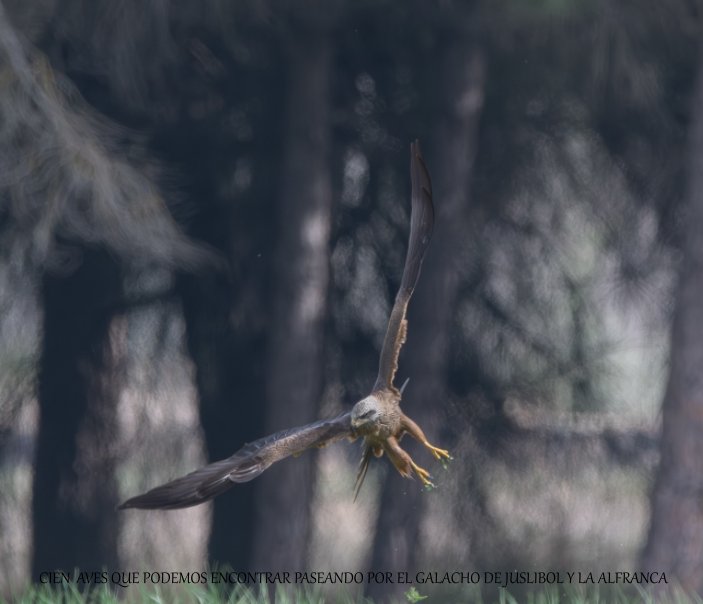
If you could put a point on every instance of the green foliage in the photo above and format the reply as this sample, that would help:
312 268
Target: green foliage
211 594
68 593
413 596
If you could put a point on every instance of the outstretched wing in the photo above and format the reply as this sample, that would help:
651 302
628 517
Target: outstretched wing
247 463
421 222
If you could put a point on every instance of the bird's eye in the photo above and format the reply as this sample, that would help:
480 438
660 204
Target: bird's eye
368 414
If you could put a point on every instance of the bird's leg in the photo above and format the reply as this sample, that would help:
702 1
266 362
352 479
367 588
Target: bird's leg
416 432
404 463
423 474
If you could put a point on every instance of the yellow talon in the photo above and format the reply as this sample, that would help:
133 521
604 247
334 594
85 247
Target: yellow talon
423 474
438 453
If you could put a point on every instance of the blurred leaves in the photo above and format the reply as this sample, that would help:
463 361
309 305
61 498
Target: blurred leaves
63 177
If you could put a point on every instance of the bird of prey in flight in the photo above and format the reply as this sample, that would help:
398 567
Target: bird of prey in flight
377 418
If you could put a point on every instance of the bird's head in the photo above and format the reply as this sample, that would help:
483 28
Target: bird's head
365 415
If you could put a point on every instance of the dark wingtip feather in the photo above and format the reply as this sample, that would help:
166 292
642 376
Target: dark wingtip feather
194 488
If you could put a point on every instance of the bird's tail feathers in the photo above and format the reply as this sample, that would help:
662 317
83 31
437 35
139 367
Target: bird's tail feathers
405 383
363 468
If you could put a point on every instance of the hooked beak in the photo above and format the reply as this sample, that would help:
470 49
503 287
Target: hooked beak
357 422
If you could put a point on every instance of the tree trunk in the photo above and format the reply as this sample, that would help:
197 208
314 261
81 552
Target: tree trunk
675 542
225 311
225 324
229 387
75 491
295 367
450 161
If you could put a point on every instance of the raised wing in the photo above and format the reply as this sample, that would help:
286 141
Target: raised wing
421 223
247 463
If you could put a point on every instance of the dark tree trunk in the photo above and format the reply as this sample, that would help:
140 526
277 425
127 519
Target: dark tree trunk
450 161
81 373
675 543
225 317
229 389
295 367
226 311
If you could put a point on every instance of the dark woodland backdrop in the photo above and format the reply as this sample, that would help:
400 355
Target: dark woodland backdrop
203 218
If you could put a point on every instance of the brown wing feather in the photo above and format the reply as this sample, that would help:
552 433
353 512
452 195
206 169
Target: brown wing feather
421 223
247 463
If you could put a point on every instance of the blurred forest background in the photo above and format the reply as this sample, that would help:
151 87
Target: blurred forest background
204 210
